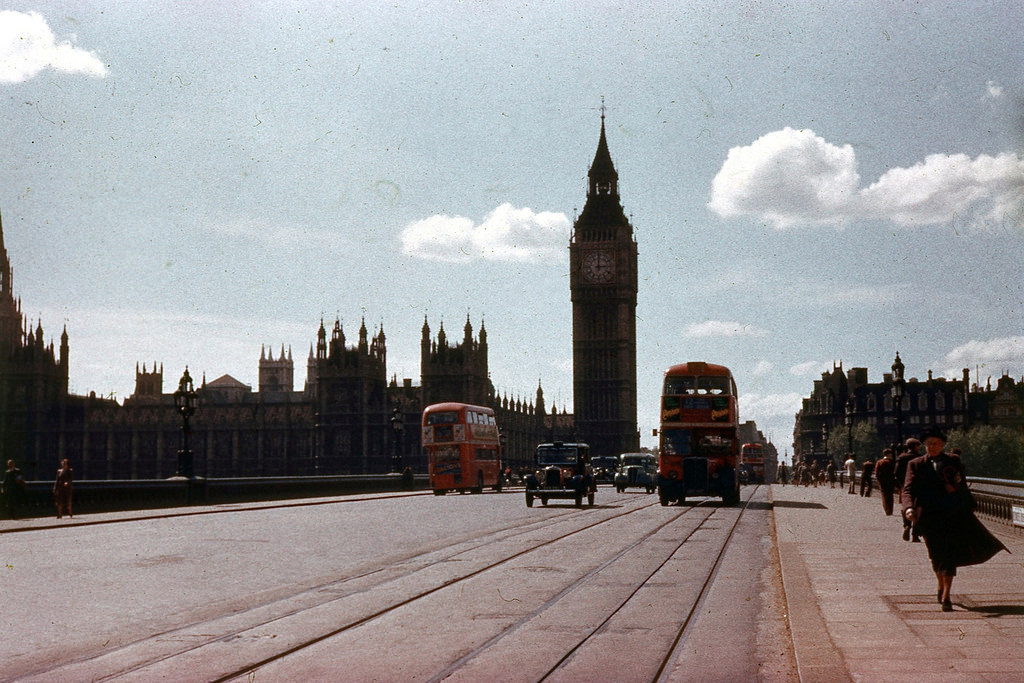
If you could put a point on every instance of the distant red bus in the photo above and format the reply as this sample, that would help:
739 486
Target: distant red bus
699 428
461 442
752 462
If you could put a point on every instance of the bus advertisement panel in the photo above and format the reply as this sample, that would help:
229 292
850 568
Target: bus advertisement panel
699 425
461 442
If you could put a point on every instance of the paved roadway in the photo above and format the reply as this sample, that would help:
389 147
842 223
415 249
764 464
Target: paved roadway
398 587
805 584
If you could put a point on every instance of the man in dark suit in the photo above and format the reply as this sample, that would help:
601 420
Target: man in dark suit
910 451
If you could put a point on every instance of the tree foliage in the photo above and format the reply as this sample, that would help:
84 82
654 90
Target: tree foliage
996 452
865 441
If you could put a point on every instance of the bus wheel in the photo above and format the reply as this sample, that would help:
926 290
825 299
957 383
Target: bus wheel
529 499
439 492
590 499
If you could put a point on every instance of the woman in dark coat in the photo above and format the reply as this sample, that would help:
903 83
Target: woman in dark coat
936 498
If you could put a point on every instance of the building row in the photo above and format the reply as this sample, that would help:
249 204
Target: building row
899 408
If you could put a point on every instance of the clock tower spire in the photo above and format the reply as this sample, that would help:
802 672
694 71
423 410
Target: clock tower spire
603 282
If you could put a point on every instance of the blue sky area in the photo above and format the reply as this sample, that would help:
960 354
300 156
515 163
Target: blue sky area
810 184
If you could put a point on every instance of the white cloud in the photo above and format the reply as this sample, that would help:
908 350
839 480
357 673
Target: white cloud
770 405
811 367
27 46
994 90
792 177
787 177
719 328
762 368
992 357
506 234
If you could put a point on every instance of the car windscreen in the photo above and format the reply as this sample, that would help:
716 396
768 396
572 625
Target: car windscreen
556 456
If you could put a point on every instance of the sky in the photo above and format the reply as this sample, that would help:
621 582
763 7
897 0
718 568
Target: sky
810 183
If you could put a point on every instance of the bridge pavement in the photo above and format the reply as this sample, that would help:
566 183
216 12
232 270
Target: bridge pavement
860 601
862 604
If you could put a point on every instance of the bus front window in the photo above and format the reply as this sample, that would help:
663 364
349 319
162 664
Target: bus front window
675 441
713 385
445 418
675 386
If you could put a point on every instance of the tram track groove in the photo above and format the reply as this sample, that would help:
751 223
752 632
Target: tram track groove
574 586
674 649
200 631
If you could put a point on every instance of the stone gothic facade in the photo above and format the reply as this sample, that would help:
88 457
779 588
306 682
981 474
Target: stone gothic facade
349 418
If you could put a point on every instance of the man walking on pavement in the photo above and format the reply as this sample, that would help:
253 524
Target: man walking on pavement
909 453
851 472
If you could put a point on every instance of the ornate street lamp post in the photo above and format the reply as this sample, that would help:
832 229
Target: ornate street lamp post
185 402
397 426
824 444
849 428
898 387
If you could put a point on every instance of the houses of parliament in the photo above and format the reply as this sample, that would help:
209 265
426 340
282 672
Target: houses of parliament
343 420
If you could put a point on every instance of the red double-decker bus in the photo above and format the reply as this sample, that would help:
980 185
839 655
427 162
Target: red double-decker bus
461 442
752 462
699 427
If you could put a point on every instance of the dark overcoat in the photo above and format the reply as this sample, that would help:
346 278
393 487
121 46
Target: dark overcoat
936 490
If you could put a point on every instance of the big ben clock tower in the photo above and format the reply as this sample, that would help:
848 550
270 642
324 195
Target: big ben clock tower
603 281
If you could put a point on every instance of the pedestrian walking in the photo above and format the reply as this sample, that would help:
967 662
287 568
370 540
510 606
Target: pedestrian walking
936 497
830 474
851 471
885 470
783 473
62 489
13 489
911 450
867 471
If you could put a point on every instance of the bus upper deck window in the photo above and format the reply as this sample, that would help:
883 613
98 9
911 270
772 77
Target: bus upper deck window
713 385
679 385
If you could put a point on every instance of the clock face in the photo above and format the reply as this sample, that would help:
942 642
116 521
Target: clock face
598 266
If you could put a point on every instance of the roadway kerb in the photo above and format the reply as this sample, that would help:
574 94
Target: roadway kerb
862 603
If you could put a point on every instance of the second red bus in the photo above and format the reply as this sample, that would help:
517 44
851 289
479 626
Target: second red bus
461 442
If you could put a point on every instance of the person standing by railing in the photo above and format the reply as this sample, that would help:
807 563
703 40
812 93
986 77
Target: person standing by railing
13 489
62 489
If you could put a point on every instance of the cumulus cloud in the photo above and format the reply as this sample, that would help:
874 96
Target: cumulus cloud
768 405
762 368
1003 354
811 367
993 90
793 177
505 234
719 328
27 46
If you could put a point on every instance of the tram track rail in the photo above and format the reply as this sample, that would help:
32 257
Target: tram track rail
319 595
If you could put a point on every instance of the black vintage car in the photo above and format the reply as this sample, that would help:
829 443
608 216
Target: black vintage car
604 467
563 470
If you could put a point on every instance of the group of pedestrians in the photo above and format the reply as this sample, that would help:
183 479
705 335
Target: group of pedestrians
936 505
15 490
